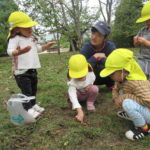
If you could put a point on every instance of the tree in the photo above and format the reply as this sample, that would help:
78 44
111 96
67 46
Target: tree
64 17
6 7
107 9
124 27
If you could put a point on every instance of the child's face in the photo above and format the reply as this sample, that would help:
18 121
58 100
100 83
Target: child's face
119 76
81 79
97 39
27 32
148 23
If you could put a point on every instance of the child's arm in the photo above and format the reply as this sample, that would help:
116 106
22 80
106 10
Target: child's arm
75 103
46 46
115 91
143 41
14 49
19 51
117 101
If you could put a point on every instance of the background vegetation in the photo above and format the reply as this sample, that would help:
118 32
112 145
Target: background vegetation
6 7
70 21
124 27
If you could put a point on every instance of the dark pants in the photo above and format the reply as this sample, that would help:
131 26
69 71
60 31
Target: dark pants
99 80
27 82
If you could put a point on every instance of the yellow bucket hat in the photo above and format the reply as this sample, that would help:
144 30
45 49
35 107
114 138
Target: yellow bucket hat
78 66
20 19
145 13
123 59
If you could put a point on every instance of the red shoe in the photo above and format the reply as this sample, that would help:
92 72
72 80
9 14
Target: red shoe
110 88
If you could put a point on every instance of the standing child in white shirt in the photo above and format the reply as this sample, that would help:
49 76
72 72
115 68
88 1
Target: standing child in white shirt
23 48
81 85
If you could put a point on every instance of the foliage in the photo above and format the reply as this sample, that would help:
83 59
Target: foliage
68 18
64 42
6 7
124 27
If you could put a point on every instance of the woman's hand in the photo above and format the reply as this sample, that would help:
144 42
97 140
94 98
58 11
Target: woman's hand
99 56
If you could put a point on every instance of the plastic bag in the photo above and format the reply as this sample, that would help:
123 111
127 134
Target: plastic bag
18 114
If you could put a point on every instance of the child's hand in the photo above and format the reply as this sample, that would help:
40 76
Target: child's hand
141 40
117 101
24 50
46 46
87 88
135 38
80 115
49 44
20 51
136 43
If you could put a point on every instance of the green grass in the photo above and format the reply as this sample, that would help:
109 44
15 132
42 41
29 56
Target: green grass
57 129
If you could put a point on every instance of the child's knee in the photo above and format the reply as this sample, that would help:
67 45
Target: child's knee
93 89
128 105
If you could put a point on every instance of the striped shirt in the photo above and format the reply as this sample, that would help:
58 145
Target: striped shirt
136 90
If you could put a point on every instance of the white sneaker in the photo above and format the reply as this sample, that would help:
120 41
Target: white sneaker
136 134
37 108
33 113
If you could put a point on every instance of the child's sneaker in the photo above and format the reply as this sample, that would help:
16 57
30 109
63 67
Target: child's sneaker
37 108
136 134
123 115
90 106
33 113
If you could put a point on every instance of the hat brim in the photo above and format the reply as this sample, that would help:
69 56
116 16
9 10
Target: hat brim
28 24
99 30
24 25
78 74
107 72
142 19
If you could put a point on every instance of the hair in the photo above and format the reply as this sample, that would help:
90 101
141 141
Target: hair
93 30
90 69
14 32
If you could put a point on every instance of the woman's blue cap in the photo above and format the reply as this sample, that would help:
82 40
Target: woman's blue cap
102 27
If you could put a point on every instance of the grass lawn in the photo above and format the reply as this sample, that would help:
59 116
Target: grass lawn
57 129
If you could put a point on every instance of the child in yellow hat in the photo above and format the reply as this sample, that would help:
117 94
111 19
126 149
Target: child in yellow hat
142 40
81 86
23 48
132 91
